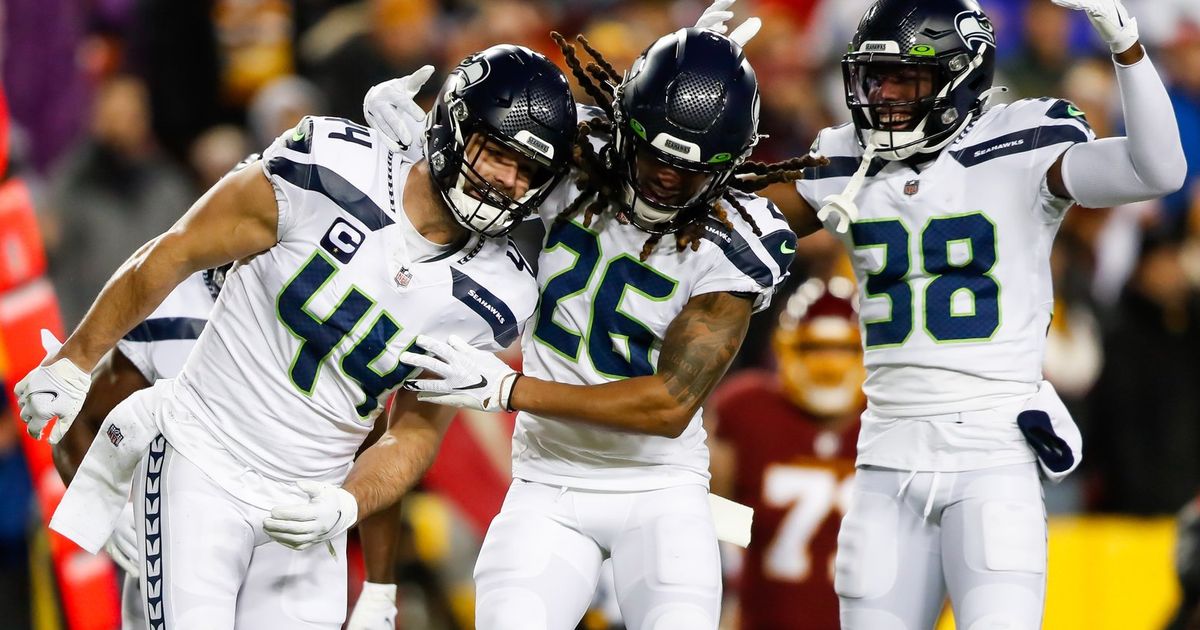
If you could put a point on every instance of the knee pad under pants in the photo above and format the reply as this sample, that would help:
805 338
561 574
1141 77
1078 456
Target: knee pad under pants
983 543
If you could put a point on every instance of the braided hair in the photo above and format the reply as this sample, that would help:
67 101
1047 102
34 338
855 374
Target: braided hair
600 180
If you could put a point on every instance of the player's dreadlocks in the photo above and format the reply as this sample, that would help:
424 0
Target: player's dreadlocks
599 177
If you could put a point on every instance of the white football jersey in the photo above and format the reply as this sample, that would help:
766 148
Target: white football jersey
302 348
602 317
159 345
953 261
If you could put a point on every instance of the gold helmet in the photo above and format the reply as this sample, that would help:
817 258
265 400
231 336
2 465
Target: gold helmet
818 349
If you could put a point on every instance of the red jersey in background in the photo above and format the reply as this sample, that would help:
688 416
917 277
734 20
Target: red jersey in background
797 478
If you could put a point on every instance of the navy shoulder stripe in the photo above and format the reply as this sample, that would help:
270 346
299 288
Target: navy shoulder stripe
167 329
324 180
781 245
774 210
1018 142
487 305
738 251
749 199
842 166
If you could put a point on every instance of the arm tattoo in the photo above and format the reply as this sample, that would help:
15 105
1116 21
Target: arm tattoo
701 343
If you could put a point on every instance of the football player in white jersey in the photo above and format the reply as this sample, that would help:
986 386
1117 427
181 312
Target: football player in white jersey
344 254
653 263
153 350
949 212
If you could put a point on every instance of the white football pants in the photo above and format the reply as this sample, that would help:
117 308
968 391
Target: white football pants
206 562
541 558
908 540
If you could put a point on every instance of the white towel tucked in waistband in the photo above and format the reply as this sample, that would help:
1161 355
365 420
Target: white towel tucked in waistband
89 510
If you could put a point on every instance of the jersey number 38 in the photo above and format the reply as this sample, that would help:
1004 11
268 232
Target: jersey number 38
957 254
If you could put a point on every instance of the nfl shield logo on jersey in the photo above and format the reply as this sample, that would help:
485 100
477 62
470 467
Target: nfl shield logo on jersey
114 435
403 277
910 187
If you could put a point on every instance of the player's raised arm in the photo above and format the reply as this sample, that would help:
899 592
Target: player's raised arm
1148 162
236 218
697 350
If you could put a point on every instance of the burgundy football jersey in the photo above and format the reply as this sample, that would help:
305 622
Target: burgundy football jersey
797 478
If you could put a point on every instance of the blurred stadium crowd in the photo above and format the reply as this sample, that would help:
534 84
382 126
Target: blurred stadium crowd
124 111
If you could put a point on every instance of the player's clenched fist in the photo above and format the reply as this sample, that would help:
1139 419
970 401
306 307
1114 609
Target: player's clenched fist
55 390
329 512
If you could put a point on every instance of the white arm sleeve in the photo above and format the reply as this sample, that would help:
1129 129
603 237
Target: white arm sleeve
1147 163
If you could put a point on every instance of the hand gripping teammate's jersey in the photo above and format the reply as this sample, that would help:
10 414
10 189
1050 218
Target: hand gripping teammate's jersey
602 317
302 346
954 258
159 345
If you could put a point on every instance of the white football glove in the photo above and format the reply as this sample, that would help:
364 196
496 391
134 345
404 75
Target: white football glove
329 512
390 109
470 378
52 390
123 545
1111 20
718 13
376 608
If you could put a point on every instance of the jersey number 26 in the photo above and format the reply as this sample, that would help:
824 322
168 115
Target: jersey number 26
608 323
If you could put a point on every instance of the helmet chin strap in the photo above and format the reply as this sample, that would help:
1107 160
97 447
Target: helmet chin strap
989 93
842 204
650 214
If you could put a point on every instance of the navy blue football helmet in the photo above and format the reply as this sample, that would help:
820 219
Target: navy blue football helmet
689 102
917 71
516 98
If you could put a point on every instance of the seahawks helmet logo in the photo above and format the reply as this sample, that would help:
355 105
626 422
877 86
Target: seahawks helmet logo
471 71
975 30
